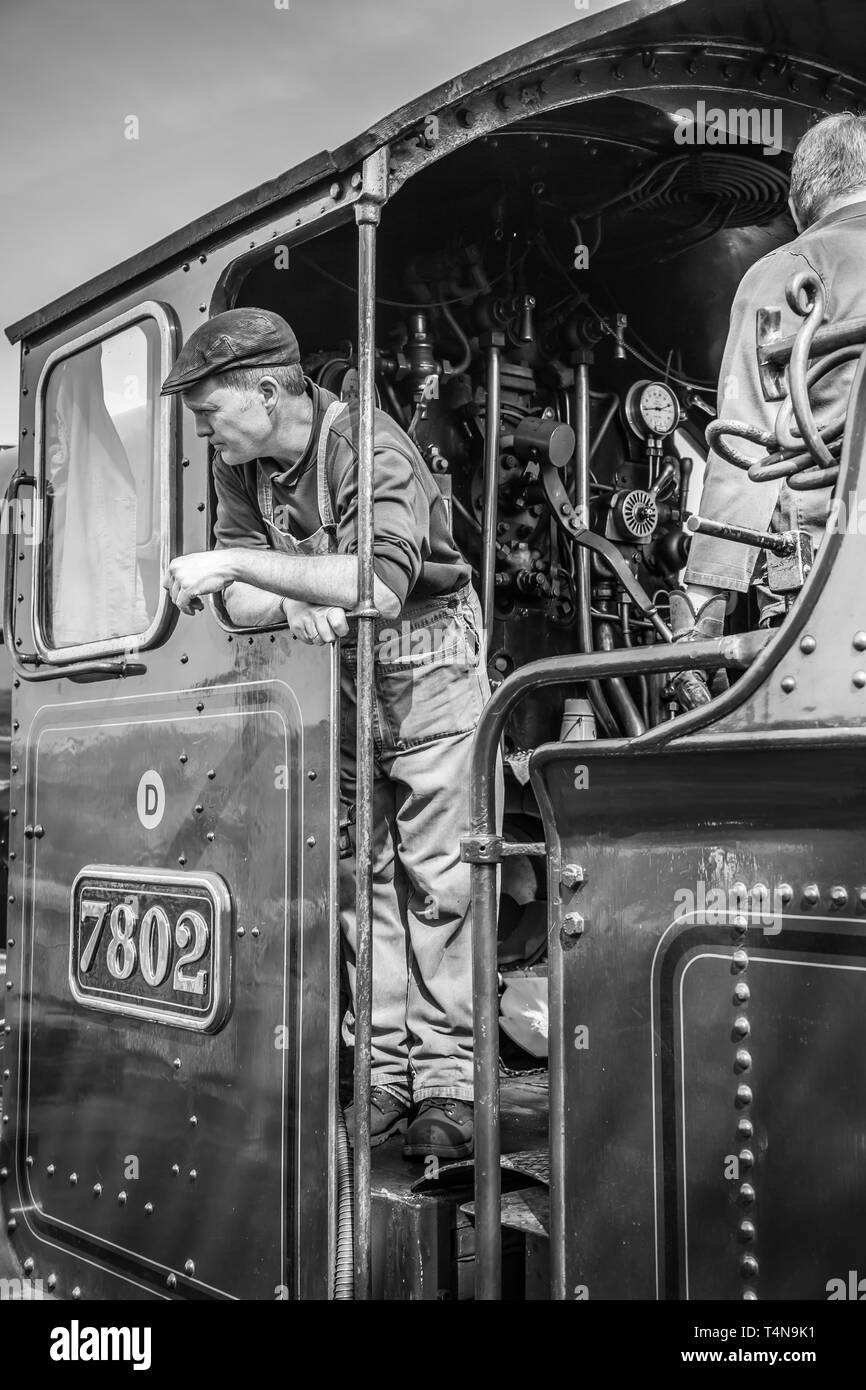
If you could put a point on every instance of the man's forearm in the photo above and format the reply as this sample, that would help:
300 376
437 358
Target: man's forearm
248 606
331 580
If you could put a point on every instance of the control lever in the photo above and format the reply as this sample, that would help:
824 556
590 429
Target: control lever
789 553
778 542
576 529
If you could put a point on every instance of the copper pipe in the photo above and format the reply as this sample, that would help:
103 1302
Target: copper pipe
491 485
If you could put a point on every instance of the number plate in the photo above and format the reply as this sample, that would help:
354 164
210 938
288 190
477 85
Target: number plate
152 945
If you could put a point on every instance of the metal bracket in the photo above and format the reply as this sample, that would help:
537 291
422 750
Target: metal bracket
489 849
788 573
374 185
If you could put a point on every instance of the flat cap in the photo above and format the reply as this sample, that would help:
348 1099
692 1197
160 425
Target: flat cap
237 338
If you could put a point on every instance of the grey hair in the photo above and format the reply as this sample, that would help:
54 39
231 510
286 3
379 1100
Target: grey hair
829 161
248 378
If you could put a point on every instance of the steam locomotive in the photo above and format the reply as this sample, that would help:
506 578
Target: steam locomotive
531 269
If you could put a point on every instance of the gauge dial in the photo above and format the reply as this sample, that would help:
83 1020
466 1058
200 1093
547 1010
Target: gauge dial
652 409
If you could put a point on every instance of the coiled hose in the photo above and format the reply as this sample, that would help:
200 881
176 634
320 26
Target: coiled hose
344 1265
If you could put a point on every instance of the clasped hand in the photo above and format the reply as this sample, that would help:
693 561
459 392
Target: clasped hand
315 623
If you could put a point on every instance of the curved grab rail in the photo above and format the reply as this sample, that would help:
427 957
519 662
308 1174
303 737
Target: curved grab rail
482 847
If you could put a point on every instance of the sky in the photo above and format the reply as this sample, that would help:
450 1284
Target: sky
227 94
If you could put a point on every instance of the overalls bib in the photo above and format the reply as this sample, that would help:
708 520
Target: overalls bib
323 541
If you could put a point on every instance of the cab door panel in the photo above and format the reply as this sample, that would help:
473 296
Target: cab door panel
154 1155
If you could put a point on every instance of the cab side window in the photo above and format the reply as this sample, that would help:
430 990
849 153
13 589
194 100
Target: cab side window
104 466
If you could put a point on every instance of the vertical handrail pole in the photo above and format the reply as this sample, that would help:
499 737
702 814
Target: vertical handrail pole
488 1219
367 216
483 893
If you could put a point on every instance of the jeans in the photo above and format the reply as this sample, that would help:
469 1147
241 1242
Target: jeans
430 686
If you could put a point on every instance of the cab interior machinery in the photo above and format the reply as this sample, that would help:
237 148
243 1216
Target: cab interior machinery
595 259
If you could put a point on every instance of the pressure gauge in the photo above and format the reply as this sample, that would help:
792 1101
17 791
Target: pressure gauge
651 408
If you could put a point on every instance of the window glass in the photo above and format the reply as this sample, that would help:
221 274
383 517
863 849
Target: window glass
103 524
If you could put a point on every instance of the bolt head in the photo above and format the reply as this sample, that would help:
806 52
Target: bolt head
572 924
859 679
811 895
808 644
571 876
839 896
744 1096
789 683
859 641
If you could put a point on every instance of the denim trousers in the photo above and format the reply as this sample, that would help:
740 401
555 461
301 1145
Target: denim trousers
430 686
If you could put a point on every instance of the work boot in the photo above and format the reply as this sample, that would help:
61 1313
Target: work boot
442 1126
388 1115
705 624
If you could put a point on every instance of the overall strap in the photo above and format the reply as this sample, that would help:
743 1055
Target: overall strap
326 509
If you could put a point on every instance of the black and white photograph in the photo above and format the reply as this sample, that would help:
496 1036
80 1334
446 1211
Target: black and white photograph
433 669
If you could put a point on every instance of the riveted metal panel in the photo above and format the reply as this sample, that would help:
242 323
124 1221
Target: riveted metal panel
707 1073
147 1156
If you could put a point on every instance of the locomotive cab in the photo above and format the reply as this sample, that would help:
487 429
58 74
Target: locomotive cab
680 900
